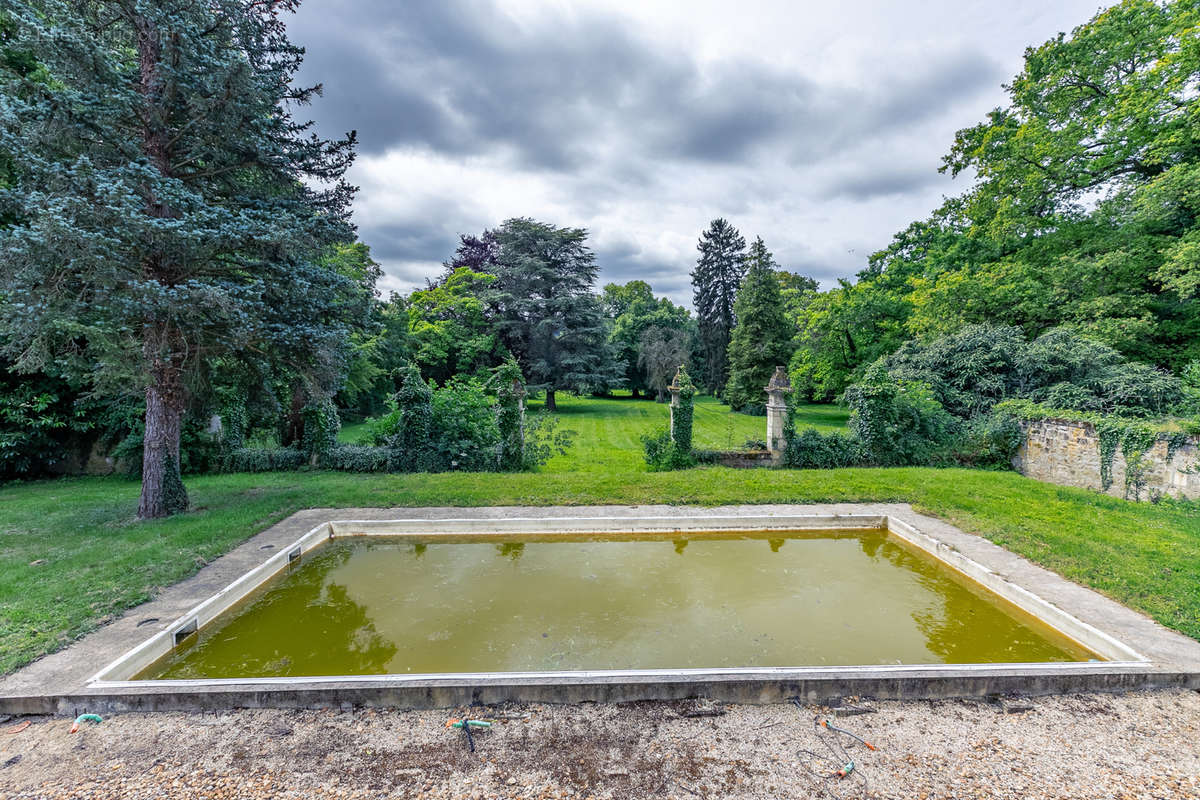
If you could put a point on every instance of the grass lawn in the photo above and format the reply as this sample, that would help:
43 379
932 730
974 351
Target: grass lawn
608 430
71 554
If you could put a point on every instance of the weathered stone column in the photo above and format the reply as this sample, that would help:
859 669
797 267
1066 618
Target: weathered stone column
776 391
674 389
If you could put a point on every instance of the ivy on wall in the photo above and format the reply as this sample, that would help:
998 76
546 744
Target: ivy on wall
1133 437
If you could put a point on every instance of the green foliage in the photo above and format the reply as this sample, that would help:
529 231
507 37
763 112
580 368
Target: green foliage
647 333
464 434
978 366
1190 385
281 459
451 334
234 423
763 337
715 282
989 441
543 440
321 426
510 417
663 453
811 449
897 422
541 304
358 458
42 421
409 429
167 210
683 414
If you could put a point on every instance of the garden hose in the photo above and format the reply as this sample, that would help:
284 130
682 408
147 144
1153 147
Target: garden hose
93 718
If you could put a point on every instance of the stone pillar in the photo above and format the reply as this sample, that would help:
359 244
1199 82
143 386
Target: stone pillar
776 391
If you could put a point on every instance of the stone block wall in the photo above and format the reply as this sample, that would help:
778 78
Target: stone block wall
1068 453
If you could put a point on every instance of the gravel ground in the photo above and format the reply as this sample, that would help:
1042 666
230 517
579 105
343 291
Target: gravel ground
1142 745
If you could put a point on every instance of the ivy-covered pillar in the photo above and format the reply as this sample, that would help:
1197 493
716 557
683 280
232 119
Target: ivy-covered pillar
777 411
682 391
511 421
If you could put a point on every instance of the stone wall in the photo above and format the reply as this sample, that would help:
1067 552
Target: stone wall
1068 453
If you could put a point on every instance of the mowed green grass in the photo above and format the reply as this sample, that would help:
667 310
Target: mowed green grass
608 431
72 555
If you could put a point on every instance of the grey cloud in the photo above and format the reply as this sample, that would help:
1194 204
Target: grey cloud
885 180
459 77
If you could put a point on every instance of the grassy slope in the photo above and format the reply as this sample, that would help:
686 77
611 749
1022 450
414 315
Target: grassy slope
99 561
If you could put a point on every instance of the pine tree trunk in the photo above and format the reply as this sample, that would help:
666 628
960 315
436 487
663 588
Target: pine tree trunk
163 493
550 404
634 394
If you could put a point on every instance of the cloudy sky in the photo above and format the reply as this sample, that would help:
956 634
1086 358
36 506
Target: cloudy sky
818 126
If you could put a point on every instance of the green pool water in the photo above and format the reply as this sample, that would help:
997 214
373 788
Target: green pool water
375 605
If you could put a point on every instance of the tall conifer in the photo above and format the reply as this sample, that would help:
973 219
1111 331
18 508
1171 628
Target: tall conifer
715 282
168 209
763 336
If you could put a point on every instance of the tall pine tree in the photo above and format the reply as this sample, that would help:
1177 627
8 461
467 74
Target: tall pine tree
169 210
715 283
762 339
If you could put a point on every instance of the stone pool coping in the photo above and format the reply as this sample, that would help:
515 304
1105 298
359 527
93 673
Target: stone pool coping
79 677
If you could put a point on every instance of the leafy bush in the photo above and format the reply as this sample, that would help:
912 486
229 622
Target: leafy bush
989 442
1190 380
42 419
464 434
811 449
321 426
358 458
973 369
246 459
897 422
199 451
663 453
461 424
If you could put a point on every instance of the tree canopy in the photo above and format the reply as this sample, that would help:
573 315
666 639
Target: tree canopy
167 208
763 337
715 282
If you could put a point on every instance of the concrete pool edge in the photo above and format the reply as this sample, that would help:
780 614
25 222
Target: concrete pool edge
1167 659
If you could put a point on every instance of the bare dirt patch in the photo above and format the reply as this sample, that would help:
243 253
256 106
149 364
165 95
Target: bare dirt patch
1140 745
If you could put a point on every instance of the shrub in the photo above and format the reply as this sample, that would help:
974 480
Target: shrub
247 459
664 453
543 440
989 442
358 458
1190 380
321 426
510 391
464 434
898 423
973 369
811 449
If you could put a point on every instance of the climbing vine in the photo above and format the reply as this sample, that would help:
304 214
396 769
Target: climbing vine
1133 437
321 426
683 413
510 419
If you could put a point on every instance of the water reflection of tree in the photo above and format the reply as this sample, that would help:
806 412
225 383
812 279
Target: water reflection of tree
776 544
680 545
511 550
326 632
962 628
